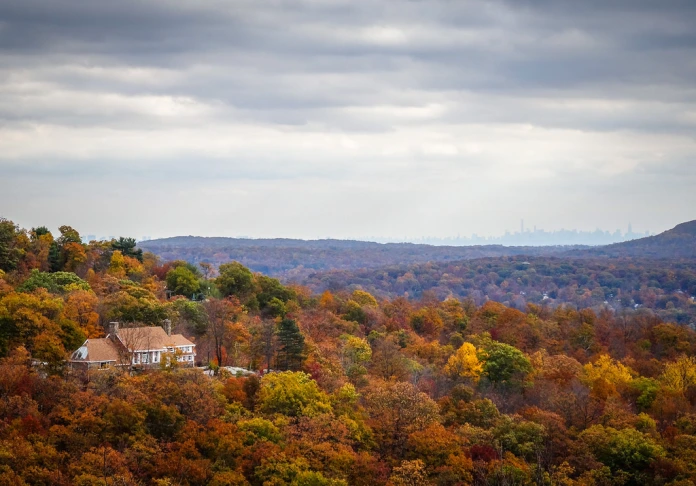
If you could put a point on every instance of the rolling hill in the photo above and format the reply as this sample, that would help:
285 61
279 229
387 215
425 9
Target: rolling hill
298 258
679 242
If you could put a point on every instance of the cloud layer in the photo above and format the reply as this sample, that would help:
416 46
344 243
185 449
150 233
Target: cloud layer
342 118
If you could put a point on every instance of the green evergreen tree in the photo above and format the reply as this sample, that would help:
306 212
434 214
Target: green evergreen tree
10 254
40 231
127 248
55 261
292 344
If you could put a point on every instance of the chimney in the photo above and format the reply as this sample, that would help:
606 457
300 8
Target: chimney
113 329
168 327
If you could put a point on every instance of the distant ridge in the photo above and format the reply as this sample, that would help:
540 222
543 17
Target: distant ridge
688 228
297 258
679 242
228 242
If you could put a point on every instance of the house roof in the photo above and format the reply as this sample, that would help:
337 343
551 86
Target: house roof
100 350
145 338
179 340
132 338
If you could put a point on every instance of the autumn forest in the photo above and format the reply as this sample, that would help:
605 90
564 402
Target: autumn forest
559 368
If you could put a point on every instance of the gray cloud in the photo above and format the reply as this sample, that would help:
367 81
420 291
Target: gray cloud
335 104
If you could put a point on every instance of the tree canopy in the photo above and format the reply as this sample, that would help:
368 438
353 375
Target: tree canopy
345 386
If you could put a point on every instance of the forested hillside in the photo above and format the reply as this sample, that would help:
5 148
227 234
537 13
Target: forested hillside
298 258
679 242
364 390
666 287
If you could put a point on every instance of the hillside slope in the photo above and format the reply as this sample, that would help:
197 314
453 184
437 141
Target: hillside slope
679 242
298 258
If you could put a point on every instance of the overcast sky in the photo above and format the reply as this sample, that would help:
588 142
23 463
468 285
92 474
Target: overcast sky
347 118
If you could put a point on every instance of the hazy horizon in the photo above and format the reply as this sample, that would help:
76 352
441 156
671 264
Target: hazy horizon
524 236
308 119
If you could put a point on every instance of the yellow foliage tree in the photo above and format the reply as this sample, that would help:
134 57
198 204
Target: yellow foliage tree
609 369
605 374
680 374
25 316
117 266
293 394
134 269
464 363
364 298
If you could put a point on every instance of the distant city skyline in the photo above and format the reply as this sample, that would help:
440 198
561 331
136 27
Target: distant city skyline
528 237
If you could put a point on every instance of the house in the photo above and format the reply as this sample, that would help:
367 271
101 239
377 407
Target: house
134 347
